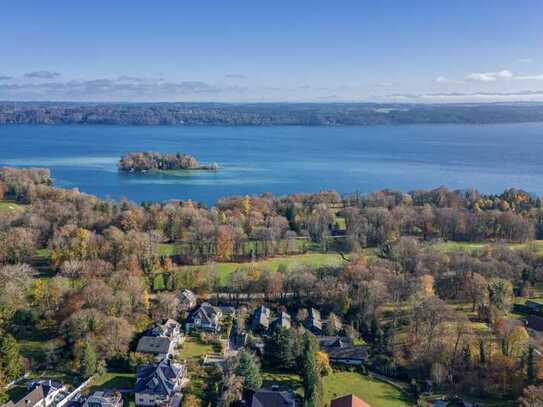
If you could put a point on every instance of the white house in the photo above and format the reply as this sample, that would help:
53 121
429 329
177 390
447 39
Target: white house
160 385
207 317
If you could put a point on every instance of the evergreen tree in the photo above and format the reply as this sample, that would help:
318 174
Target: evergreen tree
530 371
249 370
312 381
88 362
280 349
10 358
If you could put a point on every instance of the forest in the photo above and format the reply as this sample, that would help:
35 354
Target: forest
266 114
93 271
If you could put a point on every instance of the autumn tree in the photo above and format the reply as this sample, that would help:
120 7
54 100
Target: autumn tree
225 242
532 396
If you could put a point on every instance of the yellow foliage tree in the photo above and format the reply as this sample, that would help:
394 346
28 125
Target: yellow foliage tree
39 291
427 285
246 205
146 300
323 362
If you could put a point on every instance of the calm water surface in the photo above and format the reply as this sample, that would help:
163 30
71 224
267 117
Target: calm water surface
284 159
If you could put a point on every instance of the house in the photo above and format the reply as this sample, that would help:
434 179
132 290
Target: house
534 323
348 401
283 321
535 305
160 384
42 393
261 319
187 300
269 398
169 328
313 321
105 398
161 340
333 324
238 340
206 317
159 346
341 350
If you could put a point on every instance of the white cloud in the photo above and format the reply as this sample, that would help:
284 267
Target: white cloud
529 77
490 76
441 79
525 60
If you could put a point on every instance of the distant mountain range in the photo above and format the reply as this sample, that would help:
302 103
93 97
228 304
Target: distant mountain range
265 114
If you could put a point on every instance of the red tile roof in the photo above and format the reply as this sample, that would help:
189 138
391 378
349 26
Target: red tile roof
349 401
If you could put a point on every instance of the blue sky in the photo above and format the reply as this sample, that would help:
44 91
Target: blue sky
235 50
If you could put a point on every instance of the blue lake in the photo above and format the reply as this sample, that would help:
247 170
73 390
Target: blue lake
284 160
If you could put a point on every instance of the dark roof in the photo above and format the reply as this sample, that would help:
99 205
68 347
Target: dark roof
158 379
261 318
334 341
47 384
187 296
534 322
153 344
341 347
348 401
207 312
272 398
227 310
104 398
347 352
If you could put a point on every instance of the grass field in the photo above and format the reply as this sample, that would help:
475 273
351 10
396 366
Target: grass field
193 349
10 207
469 246
111 381
374 392
310 259
285 381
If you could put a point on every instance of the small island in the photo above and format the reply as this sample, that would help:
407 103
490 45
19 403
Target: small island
143 162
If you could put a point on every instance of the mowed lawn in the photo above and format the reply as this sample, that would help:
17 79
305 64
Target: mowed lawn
112 381
285 381
470 246
192 348
309 259
374 392
10 207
